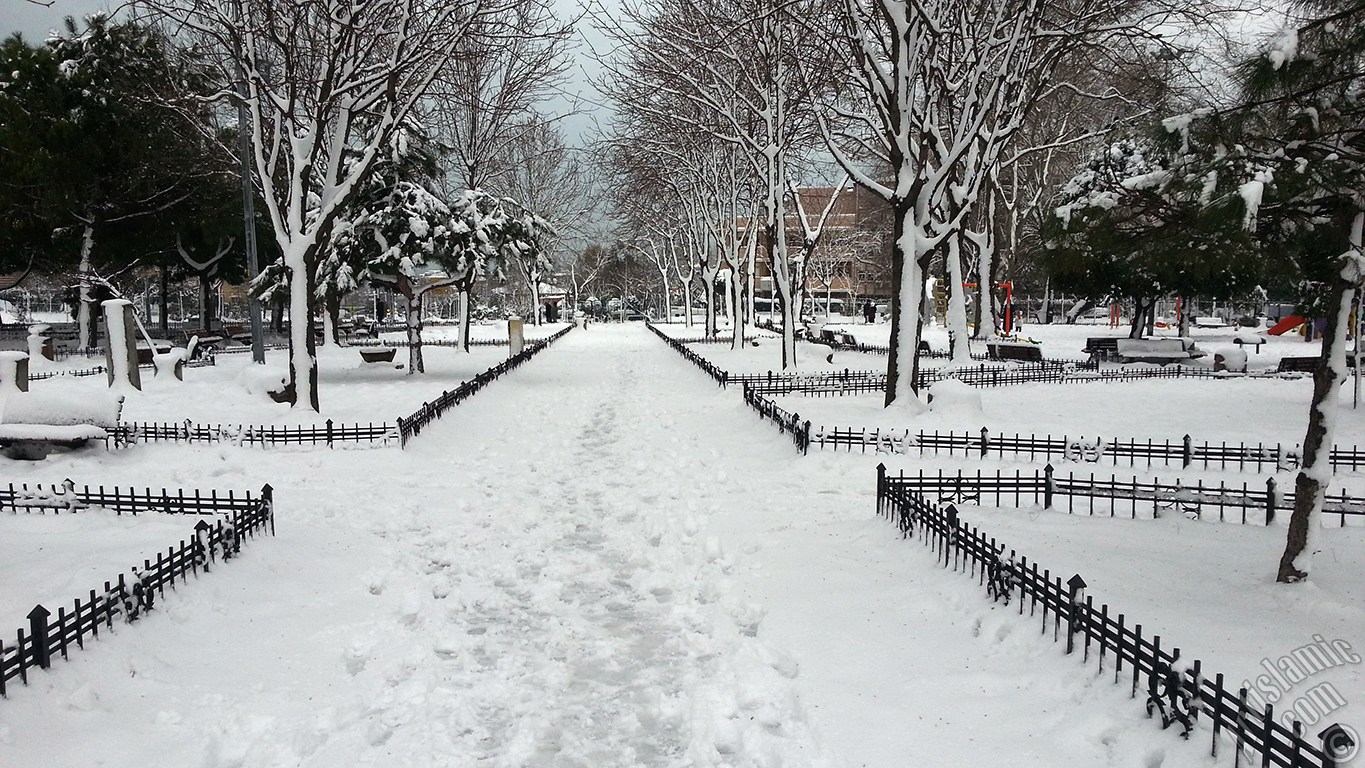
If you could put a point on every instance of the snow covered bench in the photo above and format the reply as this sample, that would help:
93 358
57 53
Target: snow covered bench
1102 348
1158 351
32 424
378 355
1023 351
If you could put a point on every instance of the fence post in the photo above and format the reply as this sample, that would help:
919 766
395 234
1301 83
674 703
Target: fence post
1188 456
1047 486
984 433
268 500
1338 743
950 540
402 435
881 485
1269 500
329 433
1077 586
37 635
805 439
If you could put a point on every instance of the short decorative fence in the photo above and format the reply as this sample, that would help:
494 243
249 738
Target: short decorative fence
328 434
98 370
1088 494
414 424
1179 691
1184 451
237 517
405 344
707 367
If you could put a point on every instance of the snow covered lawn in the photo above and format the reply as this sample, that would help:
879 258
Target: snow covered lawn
233 391
1208 589
54 558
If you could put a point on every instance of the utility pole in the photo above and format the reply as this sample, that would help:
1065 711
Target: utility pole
249 223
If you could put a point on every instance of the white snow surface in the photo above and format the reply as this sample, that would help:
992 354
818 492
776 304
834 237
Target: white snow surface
600 560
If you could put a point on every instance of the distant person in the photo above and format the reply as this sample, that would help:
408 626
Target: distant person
870 312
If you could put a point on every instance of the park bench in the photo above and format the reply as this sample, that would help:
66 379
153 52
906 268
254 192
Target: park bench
209 340
1307 364
1022 351
1158 351
838 337
1102 348
377 354
33 424
1210 322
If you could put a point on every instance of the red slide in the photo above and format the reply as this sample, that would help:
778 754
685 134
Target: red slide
1287 324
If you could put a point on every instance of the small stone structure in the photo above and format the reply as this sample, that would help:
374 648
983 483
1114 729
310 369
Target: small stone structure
13 372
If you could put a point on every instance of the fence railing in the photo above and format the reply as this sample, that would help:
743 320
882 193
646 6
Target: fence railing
67 497
328 433
1181 693
48 635
1184 451
1113 496
707 367
414 424
789 423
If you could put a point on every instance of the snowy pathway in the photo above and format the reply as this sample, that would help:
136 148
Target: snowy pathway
601 561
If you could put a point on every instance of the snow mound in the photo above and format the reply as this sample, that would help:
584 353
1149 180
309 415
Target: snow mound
953 396
261 380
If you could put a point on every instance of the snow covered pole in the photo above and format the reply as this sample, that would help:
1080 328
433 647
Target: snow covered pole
120 350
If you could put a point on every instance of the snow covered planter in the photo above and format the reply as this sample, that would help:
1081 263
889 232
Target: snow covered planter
32 424
1178 690
235 518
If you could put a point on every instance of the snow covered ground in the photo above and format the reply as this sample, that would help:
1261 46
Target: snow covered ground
604 560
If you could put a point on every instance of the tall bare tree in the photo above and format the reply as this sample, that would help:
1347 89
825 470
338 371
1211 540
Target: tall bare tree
326 85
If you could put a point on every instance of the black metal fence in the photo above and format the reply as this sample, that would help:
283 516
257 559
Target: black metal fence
1184 451
67 497
1112 496
1181 693
413 425
707 367
789 423
48 635
328 433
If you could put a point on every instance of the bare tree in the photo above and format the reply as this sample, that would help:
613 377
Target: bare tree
327 84
547 177
932 95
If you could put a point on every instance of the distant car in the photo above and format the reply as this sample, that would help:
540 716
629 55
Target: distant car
635 316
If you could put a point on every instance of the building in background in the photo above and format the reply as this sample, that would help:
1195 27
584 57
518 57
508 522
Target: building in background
851 262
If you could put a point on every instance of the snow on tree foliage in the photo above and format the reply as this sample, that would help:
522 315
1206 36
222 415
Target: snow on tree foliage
1142 219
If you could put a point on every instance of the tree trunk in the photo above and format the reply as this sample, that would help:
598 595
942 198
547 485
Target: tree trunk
464 319
687 303
1315 474
85 314
957 304
414 325
1140 309
165 326
205 303
908 270
708 277
303 361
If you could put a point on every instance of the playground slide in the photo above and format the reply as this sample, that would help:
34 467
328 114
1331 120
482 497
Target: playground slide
1287 324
